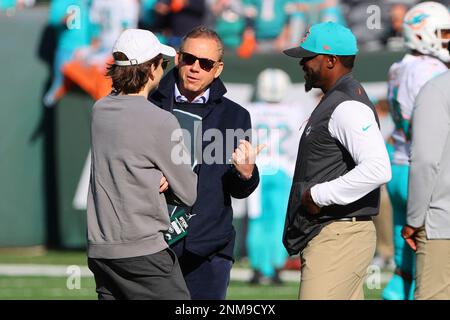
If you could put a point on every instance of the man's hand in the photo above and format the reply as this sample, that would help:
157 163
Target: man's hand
308 203
409 234
163 185
244 158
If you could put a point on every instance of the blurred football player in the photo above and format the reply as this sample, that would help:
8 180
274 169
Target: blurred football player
426 27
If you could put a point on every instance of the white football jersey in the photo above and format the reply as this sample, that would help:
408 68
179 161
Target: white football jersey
406 78
278 126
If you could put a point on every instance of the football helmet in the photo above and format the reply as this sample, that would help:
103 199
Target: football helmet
272 85
423 26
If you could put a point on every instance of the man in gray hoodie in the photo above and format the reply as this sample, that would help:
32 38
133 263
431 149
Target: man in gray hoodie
136 146
428 216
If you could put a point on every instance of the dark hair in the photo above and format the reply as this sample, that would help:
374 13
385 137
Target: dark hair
130 79
204 32
347 61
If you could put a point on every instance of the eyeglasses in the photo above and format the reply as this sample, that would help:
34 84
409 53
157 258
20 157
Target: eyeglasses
189 59
165 63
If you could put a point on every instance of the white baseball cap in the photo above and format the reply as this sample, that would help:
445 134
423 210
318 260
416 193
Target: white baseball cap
140 46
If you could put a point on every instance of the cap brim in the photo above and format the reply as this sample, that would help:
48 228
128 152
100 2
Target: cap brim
299 52
168 51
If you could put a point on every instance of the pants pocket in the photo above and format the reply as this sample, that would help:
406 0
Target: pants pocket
161 262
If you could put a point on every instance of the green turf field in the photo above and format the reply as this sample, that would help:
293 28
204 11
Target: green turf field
47 257
55 288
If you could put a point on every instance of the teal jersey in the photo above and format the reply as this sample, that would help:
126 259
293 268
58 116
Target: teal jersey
147 13
230 32
148 4
270 19
76 31
316 13
7 4
230 25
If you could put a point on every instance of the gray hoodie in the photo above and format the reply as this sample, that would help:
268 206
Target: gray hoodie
429 175
133 144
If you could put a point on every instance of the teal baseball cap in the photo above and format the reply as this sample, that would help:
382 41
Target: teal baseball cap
325 38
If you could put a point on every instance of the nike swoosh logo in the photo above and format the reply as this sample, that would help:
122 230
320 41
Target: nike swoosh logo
365 128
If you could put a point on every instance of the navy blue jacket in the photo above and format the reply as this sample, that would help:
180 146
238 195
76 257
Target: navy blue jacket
211 230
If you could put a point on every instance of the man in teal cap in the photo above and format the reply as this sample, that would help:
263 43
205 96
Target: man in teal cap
341 164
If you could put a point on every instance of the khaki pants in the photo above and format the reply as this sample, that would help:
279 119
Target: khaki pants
432 268
383 225
335 262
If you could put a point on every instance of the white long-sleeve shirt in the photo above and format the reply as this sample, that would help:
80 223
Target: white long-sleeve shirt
353 124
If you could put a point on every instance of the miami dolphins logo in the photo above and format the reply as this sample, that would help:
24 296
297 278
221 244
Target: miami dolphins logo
418 20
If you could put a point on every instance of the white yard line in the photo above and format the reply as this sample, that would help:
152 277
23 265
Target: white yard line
47 270
238 274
